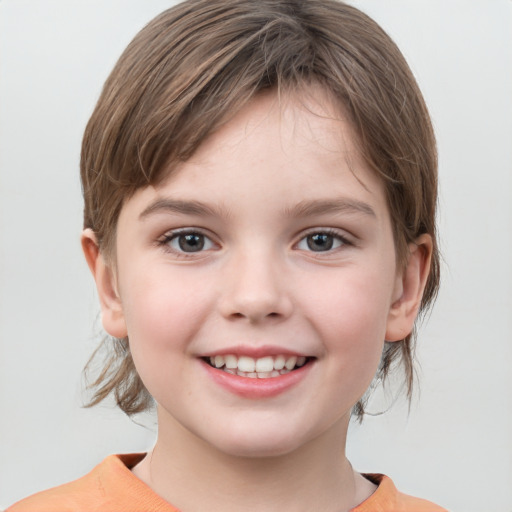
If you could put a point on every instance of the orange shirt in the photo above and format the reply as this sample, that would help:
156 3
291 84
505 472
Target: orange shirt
112 487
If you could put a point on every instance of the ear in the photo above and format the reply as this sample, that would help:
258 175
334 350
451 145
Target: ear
112 315
409 287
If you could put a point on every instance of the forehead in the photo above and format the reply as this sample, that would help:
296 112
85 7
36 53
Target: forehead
280 150
310 114
309 123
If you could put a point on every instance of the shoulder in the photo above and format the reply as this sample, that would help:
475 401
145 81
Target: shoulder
110 486
387 498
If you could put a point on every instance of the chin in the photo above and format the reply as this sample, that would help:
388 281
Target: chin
257 450
257 442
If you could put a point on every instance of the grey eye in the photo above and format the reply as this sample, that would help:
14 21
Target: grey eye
320 242
190 242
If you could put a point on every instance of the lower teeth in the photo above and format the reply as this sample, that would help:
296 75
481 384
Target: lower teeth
256 375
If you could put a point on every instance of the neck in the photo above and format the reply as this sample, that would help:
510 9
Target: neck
193 475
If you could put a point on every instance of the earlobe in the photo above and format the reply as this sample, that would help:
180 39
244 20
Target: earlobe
409 289
111 307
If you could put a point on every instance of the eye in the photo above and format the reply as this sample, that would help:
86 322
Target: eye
188 242
321 241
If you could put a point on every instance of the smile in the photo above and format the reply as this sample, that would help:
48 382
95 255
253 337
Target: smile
261 375
261 368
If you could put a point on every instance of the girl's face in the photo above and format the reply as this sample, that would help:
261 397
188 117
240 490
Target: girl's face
271 246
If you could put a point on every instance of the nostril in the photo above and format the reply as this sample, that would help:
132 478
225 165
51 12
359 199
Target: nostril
255 317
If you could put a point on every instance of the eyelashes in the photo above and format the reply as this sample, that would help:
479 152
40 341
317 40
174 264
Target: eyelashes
193 242
187 241
322 240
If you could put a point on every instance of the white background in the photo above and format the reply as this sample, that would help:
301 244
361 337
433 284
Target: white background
455 447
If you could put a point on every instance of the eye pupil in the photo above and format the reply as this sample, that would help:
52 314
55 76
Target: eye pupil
191 242
320 242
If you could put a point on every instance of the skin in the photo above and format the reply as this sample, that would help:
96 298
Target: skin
260 282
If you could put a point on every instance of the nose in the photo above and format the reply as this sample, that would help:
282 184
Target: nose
255 288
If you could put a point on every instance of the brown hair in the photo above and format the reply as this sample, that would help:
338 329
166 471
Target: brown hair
200 62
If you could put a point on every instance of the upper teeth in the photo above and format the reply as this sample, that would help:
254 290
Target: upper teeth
261 365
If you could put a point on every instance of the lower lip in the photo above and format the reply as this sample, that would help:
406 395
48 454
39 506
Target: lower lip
247 387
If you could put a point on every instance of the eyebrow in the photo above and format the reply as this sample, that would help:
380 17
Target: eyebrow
302 209
320 207
178 206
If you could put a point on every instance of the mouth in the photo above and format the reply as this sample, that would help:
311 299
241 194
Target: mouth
266 367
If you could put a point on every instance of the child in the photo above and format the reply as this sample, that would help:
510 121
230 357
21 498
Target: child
260 192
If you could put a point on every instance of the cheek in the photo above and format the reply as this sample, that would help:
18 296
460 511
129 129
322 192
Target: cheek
351 317
162 312
163 317
358 300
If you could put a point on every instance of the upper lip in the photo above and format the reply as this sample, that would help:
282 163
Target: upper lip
254 352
